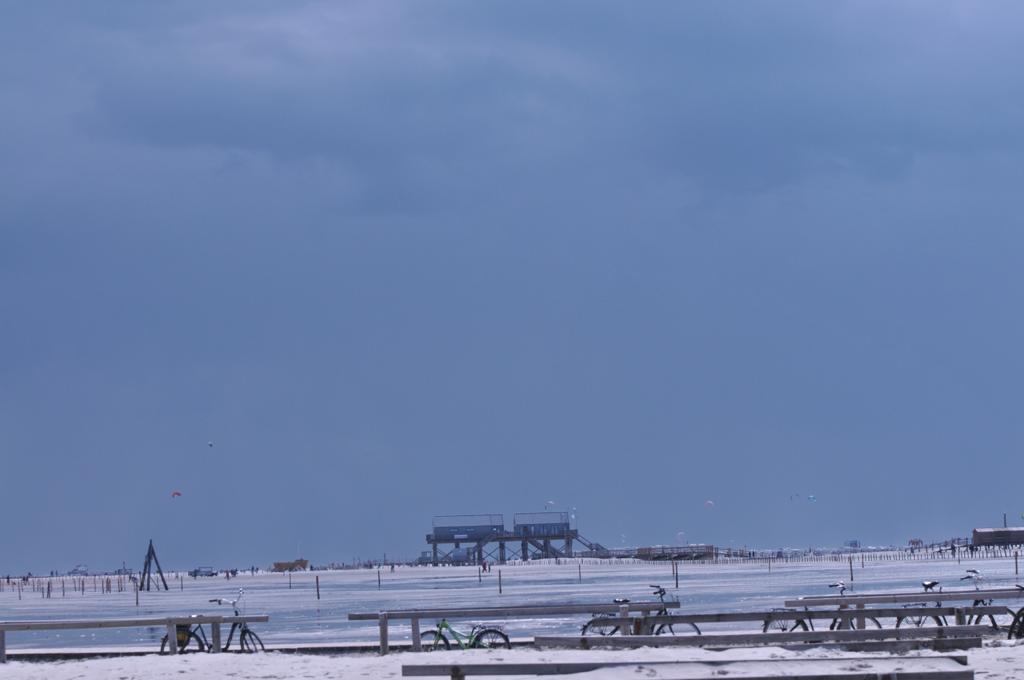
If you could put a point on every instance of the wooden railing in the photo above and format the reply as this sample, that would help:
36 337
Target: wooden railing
906 598
171 624
755 639
414 615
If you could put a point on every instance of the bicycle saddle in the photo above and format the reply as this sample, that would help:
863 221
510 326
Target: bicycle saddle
621 600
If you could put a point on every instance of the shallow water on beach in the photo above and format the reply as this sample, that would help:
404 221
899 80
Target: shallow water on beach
296 616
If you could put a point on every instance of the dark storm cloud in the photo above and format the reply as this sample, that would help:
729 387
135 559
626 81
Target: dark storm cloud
748 98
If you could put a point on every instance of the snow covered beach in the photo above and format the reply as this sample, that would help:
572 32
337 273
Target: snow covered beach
1000 660
297 617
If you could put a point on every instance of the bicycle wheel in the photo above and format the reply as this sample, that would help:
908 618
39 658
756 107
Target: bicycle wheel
599 626
783 627
192 644
1016 628
432 640
980 619
851 623
667 629
251 642
919 621
841 624
491 638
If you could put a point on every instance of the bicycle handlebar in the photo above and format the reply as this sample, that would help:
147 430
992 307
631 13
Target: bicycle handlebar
234 602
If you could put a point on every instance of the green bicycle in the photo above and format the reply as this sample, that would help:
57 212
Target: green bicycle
479 637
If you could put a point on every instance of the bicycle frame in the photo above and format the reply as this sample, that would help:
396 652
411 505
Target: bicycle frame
185 632
200 632
463 640
633 624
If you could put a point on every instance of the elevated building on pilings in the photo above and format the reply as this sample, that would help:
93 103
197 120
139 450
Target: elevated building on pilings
474 539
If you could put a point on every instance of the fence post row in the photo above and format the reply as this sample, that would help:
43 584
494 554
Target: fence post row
170 624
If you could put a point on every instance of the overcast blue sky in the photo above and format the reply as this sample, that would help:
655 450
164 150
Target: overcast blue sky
404 259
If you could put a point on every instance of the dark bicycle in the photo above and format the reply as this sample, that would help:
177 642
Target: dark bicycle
606 623
781 622
191 637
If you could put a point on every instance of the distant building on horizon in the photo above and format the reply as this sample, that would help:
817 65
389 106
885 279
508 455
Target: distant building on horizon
998 536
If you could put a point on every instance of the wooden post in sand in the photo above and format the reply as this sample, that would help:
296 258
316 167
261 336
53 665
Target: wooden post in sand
172 637
383 621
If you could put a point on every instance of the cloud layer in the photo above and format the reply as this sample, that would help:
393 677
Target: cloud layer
740 250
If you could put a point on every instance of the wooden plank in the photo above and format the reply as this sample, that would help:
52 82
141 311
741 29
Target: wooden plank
126 623
819 614
756 639
722 667
816 614
898 598
509 612
889 646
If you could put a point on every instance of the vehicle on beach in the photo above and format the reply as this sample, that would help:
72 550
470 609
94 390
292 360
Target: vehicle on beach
202 571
